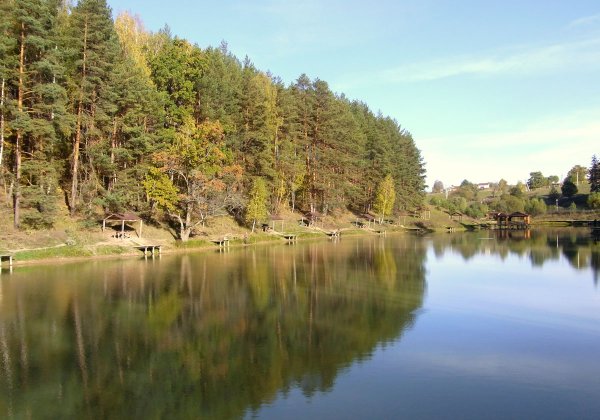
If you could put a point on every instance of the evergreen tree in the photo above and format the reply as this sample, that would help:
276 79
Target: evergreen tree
94 49
569 189
594 175
260 124
8 60
32 69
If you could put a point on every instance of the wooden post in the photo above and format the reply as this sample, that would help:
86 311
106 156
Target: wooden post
103 225
122 229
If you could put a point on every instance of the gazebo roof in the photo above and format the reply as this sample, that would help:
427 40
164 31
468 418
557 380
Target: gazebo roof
518 214
123 217
276 217
368 216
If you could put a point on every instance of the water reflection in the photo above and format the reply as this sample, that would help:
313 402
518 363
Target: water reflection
200 335
575 246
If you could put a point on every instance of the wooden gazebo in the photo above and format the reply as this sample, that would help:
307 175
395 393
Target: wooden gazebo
276 218
123 218
516 220
456 216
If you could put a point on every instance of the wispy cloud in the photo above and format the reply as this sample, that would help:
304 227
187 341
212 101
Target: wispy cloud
521 61
584 21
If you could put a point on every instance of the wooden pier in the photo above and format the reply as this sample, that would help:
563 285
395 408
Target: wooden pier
6 257
333 234
290 237
221 242
149 248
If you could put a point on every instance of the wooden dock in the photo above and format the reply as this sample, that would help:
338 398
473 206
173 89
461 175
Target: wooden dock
290 237
333 234
221 242
6 257
149 248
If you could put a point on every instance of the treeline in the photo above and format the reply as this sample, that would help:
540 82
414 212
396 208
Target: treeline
109 117
502 197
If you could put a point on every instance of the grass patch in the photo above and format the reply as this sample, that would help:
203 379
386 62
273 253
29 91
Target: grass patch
111 250
58 252
194 243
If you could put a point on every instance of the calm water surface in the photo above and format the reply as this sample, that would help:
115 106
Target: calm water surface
448 326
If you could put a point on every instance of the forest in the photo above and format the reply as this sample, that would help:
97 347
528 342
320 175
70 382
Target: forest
101 116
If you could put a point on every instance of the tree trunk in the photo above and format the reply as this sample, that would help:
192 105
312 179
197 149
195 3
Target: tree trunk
185 226
19 139
113 145
77 142
2 120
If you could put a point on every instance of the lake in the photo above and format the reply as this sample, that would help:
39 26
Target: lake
470 326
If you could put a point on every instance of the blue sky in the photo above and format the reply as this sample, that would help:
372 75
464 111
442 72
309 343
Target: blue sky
488 89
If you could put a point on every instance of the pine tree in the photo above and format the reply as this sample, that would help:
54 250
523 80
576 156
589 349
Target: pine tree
7 66
94 48
594 175
259 124
39 99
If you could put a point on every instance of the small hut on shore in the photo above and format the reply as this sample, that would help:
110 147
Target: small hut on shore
456 216
122 219
276 218
515 220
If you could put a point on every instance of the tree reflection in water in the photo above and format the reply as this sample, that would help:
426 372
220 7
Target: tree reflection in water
200 335
219 335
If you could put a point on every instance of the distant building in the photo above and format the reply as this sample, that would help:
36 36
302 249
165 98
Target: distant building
484 186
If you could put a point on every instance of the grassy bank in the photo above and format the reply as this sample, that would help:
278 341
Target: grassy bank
76 240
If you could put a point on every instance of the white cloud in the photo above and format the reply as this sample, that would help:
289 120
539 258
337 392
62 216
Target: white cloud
510 61
584 21
515 61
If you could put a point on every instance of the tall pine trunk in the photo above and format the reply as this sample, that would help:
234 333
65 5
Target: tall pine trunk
19 139
2 120
78 128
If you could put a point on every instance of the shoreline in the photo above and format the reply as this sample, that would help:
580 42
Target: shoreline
174 249
104 251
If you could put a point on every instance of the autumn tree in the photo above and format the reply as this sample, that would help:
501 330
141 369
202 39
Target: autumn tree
201 169
385 198
256 210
